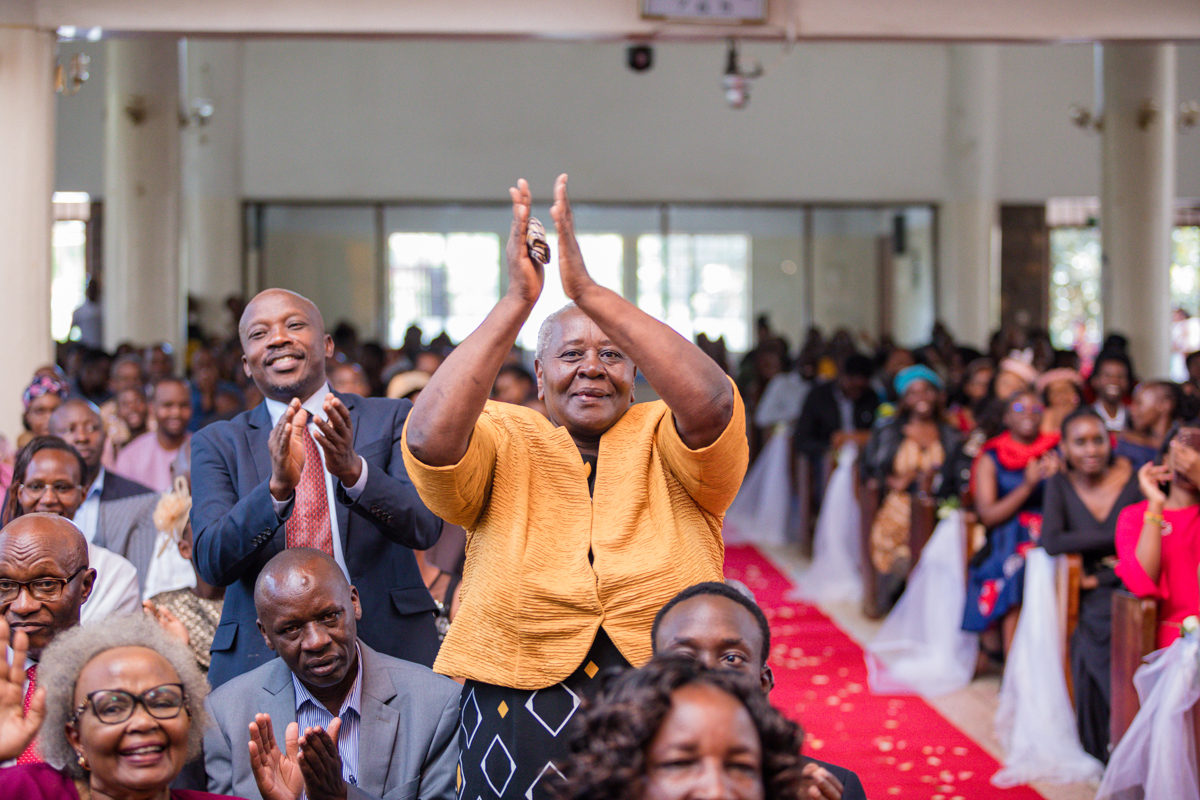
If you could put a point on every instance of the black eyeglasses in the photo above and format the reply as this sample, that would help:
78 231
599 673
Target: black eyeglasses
61 489
44 590
114 706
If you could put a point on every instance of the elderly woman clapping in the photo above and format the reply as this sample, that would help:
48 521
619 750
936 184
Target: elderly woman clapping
122 710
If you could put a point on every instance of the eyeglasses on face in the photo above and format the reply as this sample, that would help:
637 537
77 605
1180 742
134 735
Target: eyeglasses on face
114 706
1028 408
44 590
36 489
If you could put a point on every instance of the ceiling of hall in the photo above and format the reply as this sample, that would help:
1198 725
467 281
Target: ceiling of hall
1008 20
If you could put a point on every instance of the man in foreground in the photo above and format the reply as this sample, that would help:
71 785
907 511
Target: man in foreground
330 717
723 629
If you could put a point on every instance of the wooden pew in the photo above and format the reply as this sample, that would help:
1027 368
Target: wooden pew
1068 576
1134 636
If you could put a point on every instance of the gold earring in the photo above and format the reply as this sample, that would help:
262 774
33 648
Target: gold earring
83 762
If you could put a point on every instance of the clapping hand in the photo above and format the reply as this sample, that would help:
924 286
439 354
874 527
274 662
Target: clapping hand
335 435
525 276
286 444
321 763
17 728
575 277
277 774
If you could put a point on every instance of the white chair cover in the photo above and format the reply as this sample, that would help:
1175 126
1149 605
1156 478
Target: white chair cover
1035 722
1157 755
759 514
834 576
921 647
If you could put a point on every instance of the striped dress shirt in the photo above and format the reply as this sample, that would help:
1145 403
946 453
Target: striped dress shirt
310 713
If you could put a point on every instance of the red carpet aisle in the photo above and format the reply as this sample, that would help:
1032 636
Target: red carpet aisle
899 746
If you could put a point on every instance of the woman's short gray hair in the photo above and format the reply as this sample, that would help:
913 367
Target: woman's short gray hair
72 650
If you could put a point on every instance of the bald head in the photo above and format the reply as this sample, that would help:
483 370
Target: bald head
49 548
272 297
297 569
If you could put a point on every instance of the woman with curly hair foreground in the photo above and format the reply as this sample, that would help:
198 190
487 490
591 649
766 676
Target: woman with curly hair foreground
121 710
673 729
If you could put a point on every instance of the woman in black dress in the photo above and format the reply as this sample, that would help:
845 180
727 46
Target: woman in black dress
1079 515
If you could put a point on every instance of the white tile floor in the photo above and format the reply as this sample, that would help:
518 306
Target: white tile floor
971 709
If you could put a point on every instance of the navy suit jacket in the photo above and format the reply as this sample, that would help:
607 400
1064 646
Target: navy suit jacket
236 532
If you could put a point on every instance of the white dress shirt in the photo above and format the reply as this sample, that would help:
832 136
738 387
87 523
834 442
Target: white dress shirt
87 516
313 405
115 590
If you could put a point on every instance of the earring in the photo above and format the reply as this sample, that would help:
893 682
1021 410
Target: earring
83 762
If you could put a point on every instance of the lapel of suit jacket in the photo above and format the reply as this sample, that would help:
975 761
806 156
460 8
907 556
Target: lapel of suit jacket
280 701
341 509
258 434
379 725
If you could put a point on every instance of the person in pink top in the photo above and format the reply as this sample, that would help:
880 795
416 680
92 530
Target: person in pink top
148 458
1158 539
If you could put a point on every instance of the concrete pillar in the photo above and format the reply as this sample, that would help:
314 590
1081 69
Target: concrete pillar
143 301
27 166
212 179
1137 203
968 277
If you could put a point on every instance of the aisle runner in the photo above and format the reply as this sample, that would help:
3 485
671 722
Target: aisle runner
899 746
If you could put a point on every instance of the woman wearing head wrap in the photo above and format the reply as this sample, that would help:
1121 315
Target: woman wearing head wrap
41 397
902 451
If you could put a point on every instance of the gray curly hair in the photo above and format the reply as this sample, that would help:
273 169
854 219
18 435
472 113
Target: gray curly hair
547 330
64 660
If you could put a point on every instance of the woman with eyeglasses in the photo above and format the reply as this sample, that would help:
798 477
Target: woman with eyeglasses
1006 484
120 707
48 477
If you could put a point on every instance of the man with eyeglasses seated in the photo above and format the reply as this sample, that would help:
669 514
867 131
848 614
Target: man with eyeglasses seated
330 718
116 513
44 579
47 479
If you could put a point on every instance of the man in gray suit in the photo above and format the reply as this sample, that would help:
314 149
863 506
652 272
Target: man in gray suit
117 513
330 718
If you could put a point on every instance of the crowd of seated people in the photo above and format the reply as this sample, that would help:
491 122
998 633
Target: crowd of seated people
237 580
1039 454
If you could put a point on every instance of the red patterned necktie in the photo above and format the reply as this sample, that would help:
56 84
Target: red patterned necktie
31 754
309 524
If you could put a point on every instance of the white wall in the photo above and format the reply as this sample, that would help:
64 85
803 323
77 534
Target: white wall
413 119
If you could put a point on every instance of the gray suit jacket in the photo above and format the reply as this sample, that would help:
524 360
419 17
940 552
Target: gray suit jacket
126 522
408 736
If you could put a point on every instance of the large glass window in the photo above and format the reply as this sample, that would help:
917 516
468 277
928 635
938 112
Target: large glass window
697 283
1075 321
441 282
68 262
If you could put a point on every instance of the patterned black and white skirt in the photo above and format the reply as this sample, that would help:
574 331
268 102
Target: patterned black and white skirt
510 739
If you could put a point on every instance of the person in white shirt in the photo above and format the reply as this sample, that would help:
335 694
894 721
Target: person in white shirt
47 479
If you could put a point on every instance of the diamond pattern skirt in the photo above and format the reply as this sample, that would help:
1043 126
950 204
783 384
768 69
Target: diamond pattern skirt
510 739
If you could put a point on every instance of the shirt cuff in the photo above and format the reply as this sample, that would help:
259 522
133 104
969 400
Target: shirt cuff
283 508
355 491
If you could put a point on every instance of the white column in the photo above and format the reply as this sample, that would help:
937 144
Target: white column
143 300
212 180
1137 204
27 166
969 273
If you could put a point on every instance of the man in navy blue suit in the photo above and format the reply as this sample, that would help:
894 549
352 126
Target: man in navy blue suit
312 468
